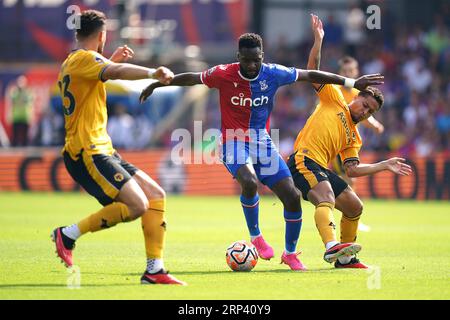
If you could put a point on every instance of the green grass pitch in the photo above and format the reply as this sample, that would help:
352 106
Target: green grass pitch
409 246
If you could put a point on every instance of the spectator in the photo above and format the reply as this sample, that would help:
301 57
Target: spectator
415 112
142 131
355 29
21 110
417 74
333 31
120 127
50 129
437 39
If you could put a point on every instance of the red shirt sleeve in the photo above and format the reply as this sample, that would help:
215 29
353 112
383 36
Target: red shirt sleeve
212 77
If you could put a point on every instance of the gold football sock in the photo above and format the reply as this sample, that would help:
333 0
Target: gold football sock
325 221
154 227
107 217
349 228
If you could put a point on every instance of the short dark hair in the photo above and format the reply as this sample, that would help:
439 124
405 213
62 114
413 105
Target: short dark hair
346 60
250 40
91 21
375 93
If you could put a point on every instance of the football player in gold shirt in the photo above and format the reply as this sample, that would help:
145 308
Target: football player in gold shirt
330 131
348 67
125 192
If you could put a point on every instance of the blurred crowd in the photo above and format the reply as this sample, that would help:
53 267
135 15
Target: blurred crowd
416 65
414 59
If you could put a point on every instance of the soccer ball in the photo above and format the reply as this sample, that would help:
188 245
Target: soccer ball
241 256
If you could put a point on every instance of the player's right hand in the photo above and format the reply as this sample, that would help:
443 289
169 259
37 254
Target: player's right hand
163 75
147 92
369 80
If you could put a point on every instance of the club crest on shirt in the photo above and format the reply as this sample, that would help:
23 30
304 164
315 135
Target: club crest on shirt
98 59
263 85
118 177
211 70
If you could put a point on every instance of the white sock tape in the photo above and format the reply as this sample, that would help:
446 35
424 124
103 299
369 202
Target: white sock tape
349 83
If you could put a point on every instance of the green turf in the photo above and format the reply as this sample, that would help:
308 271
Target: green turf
409 244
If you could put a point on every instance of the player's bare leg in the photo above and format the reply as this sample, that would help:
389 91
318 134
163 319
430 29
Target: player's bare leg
134 198
290 197
248 181
130 204
322 196
154 229
351 182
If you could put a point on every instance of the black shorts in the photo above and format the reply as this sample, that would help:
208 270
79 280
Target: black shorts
101 175
307 174
338 166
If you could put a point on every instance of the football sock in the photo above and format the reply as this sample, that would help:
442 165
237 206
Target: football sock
331 244
73 232
325 221
251 212
154 265
349 228
293 226
107 217
154 227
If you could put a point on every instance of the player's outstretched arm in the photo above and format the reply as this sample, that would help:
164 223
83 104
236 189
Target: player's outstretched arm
398 166
126 71
182 80
322 77
374 125
315 53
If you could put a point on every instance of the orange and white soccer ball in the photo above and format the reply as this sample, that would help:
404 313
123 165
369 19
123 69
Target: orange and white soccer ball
241 256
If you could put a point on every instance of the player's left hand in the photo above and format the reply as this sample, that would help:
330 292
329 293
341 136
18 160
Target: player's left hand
369 80
317 28
122 54
379 129
398 166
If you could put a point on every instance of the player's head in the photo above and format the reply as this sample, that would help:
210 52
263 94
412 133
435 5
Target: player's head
250 54
348 67
22 81
92 28
365 104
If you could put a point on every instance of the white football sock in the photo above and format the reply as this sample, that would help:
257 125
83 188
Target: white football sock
73 232
345 259
154 265
330 244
